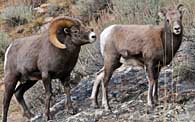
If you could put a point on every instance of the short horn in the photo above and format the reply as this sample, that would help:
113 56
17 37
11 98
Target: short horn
60 22
179 6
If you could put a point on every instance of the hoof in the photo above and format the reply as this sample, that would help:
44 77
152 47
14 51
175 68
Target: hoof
72 111
48 117
155 101
94 106
150 108
151 105
156 104
107 108
94 103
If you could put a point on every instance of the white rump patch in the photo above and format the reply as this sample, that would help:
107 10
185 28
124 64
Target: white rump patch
6 53
104 37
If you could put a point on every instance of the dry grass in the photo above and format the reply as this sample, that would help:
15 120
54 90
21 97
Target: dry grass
17 15
145 12
4 42
125 12
14 110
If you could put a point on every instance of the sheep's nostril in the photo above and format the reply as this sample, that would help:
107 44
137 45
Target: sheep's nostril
94 36
177 28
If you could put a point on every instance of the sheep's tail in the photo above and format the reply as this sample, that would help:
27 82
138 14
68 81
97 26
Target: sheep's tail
101 70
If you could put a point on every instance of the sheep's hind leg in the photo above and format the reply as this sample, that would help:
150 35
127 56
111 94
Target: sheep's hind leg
95 89
153 84
155 88
19 94
10 82
111 63
48 90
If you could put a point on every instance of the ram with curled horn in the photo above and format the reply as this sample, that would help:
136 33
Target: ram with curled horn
49 55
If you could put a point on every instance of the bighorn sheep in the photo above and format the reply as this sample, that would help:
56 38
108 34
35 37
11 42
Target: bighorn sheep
52 54
149 45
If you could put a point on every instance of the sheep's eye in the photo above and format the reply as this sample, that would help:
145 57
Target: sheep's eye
167 20
75 31
66 30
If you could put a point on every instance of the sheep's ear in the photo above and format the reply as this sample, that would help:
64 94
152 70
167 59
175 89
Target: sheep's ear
181 8
162 13
66 30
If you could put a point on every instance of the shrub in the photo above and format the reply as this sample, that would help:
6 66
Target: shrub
34 3
17 15
4 42
89 9
60 7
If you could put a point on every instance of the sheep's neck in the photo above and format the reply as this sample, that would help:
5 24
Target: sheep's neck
171 43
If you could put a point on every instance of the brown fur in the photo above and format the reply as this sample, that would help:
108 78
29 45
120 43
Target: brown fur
34 58
60 22
153 46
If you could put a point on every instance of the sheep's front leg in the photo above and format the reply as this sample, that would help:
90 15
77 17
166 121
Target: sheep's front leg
153 84
155 88
67 88
48 90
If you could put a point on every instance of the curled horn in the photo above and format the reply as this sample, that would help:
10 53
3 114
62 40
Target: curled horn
179 6
60 22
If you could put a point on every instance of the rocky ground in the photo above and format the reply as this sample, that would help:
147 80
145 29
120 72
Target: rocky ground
15 114
127 94
128 91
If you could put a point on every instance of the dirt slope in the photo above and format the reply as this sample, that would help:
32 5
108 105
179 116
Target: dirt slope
15 114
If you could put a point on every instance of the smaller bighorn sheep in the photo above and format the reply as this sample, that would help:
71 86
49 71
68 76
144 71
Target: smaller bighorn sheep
149 45
52 54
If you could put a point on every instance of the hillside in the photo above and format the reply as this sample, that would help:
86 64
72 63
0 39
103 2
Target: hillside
128 86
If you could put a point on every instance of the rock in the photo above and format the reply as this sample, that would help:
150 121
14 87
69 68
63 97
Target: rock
90 9
42 9
48 19
43 28
19 30
45 5
128 99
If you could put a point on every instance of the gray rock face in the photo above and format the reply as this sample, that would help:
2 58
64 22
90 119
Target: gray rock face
128 94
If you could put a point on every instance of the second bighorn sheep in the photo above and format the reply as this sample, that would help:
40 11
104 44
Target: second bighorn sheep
52 54
149 45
